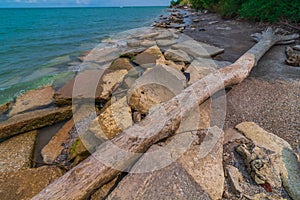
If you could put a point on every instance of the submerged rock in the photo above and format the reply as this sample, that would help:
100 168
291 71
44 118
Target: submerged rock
16 152
114 119
33 120
33 99
26 183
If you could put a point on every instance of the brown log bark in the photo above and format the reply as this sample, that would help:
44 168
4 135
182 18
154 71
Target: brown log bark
93 172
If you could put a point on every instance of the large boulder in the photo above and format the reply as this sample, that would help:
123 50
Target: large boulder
33 120
114 119
121 63
149 57
26 183
55 146
16 152
95 85
33 99
198 49
283 159
157 85
177 55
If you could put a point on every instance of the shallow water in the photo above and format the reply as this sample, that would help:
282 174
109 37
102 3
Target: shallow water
36 43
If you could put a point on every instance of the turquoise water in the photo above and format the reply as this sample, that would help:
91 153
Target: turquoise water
36 43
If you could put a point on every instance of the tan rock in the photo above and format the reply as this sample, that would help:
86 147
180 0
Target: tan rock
149 35
53 149
90 85
33 99
16 152
33 120
165 43
121 63
5 107
26 183
133 52
177 55
148 57
235 178
232 135
198 49
204 163
147 43
114 119
283 160
157 85
180 66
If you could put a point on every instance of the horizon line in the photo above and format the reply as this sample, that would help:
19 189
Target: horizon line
85 6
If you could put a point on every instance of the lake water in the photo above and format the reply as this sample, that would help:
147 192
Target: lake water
37 43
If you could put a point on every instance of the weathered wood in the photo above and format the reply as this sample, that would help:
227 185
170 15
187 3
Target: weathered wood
121 152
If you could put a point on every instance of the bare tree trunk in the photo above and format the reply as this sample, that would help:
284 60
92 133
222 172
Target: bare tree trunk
107 162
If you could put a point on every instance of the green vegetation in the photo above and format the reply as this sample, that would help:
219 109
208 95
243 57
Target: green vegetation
262 10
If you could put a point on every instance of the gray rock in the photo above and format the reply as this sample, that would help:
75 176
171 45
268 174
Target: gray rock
165 43
177 55
198 49
235 178
296 47
149 57
16 153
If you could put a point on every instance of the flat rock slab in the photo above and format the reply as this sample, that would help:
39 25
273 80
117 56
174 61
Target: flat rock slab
198 49
26 183
33 99
177 55
33 120
170 182
149 57
16 152
165 43
90 85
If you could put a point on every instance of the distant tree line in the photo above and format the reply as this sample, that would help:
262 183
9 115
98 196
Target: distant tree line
258 10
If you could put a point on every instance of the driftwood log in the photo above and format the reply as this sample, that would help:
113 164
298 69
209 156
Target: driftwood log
109 160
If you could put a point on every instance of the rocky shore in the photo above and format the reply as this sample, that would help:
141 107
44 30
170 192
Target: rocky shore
241 143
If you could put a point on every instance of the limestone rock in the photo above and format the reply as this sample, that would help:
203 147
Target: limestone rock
149 36
177 55
101 55
204 163
283 160
165 43
33 120
16 152
133 52
121 63
147 43
198 49
157 85
5 107
149 56
133 43
180 66
53 149
26 183
169 182
90 85
235 178
232 135
33 99
112 120
164 35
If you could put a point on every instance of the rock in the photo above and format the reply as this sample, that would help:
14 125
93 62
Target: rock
165 43
198 49
5 107
133 43
169 182
177 56
149 35
213 22
90 85
199 69
33 99
235 178
180 66
113 120
157 85
164 35
147 43
296 47
131 53
149 57
231 135
264 196
101 55
33 120
196 20
104 190
223 28
121 63
283 160
26 183
204 163
16 152
53 149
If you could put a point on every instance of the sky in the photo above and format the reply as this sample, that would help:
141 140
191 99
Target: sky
67 3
